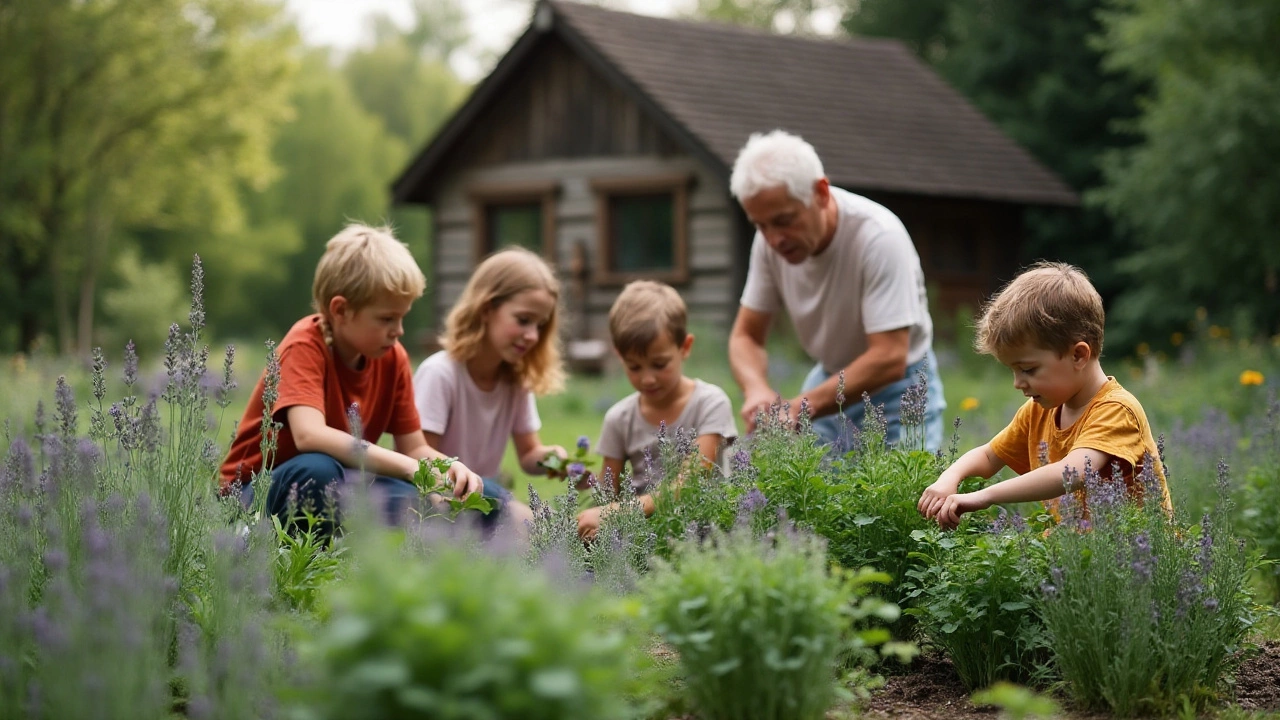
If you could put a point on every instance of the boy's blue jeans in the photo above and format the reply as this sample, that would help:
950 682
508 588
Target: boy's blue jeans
830 428
314 473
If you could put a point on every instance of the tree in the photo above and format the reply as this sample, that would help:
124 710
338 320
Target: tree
1035 70
1202 189
778 15
124 114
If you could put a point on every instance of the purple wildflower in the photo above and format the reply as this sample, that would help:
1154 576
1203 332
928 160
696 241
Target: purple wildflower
1211 604
130 364
271 378
355 425
662 431
684 442
840 390
584 443
915 400
1042 453
576 469
1144 561
65 408
752 502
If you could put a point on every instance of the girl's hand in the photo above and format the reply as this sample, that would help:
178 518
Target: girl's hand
464 481
562 454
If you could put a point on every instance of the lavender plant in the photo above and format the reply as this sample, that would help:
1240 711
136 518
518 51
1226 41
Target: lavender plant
624 542
689 495
553 535
973 594
1144 614
758 623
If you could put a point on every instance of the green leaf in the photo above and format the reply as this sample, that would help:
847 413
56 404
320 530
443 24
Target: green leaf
556 683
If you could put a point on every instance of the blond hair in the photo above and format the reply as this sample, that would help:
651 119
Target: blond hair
500 278
1051 306
360 263
643 311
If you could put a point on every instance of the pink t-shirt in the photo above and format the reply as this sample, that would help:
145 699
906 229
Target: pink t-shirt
473 425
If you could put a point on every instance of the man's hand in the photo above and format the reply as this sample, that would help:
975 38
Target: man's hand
934 495
954 506
463 480
755 403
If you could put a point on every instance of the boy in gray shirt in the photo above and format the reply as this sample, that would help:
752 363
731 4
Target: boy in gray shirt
648 326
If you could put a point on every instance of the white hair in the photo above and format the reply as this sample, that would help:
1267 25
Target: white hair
776 159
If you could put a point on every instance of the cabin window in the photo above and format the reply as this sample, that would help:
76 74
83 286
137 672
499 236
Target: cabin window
519 215
642 229
957 249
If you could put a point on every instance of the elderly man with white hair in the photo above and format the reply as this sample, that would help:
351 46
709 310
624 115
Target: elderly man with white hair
845 270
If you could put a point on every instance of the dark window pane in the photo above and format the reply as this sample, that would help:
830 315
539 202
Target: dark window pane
514 225
642 232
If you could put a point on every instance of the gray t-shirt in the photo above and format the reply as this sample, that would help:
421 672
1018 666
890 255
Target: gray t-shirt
868 280
473 425
625 433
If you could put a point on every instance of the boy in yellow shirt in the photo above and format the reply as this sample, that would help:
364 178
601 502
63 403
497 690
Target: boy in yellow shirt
1046 326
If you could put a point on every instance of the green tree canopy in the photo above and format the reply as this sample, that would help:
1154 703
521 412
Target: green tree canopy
1202 190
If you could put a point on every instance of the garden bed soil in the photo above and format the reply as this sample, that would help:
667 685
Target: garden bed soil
931 690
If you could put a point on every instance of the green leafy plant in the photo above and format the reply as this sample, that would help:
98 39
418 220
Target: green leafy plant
454 632
432 481
759 623
973 594
1016 702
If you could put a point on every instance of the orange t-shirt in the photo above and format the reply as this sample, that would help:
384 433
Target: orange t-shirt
1113 423
311 375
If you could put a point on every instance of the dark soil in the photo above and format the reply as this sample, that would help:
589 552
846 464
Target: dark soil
1258 680
931 690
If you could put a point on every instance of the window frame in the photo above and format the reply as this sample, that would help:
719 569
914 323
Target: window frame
677 184
488 195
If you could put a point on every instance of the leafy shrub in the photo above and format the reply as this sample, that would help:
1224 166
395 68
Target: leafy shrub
1262 497
459 634
1144 614
759 623
974 595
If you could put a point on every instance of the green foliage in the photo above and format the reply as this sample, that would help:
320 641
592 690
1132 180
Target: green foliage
1017 702
1144 615
1034 70
619 554
135 114
141 303
974 595
307 559
1261 497
760 623
1196 190
431 480
452 632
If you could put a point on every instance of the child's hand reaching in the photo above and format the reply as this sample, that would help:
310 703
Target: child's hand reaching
949 512
464 481
932 498
555 469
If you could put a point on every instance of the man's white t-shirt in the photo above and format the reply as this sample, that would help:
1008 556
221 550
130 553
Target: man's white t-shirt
867 280
473 424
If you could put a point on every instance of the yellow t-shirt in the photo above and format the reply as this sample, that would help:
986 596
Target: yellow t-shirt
1113 423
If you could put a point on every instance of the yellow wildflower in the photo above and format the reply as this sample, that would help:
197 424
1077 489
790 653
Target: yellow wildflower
1201 314
1215 331
1143 349
969 403
1176 339
19 364
1251 377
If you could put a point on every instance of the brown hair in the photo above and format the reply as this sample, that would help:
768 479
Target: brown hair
502 276
643 311
1051 306
362 262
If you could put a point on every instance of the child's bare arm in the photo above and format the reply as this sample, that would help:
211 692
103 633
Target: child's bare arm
312 434
530 450
978 462
1043 483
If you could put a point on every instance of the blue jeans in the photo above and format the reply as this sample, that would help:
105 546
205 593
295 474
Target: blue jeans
313 474
830 428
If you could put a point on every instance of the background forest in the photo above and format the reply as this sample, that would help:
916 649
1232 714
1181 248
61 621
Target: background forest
138 132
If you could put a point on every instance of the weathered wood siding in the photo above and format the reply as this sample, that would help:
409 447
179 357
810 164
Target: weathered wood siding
711 292
560 120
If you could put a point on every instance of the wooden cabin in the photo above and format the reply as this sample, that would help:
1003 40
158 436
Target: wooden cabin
604 140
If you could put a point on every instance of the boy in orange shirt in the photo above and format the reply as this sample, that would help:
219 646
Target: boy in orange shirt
345 358
1046 326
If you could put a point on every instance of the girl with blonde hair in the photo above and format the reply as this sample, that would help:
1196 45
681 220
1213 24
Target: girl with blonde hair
500 351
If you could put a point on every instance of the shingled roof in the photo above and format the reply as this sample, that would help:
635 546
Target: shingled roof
878 116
